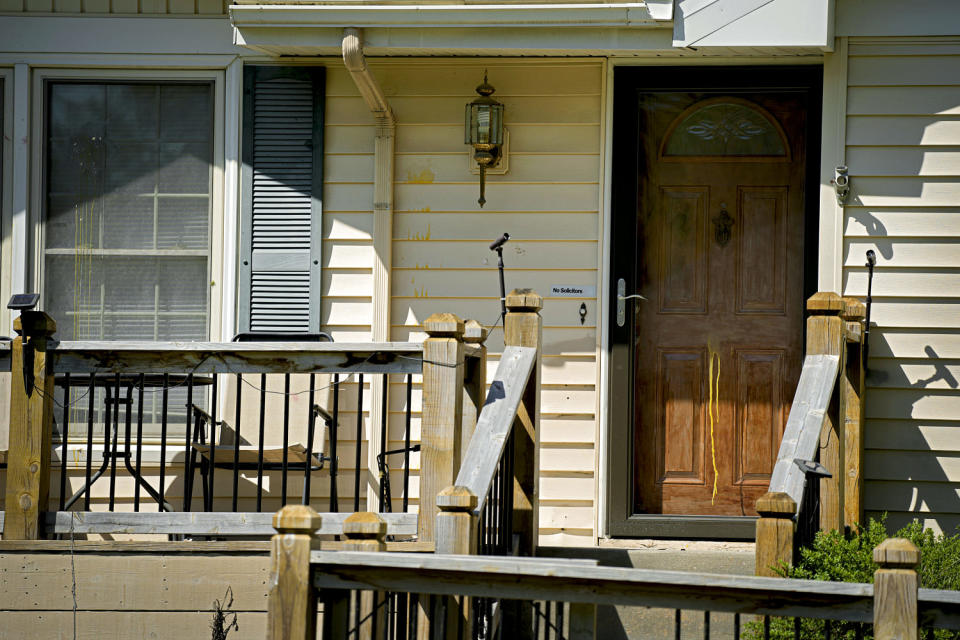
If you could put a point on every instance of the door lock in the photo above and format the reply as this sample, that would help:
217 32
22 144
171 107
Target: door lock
621 298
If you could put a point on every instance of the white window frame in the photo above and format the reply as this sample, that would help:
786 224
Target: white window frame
37 240
6 185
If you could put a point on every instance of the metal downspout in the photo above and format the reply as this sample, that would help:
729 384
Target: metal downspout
353 59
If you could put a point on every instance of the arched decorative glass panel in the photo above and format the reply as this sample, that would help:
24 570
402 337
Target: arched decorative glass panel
727 129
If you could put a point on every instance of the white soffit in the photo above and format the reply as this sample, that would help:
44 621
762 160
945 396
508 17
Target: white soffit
302 28
754 23
305 14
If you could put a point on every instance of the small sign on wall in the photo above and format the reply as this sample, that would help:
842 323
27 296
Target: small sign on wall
573 291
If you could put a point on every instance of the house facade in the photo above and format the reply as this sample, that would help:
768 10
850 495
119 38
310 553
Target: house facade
189 170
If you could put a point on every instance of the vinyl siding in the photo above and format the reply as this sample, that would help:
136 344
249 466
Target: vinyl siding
118 7
903 153
548 201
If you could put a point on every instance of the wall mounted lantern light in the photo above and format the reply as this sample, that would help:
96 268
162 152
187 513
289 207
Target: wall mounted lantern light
483 130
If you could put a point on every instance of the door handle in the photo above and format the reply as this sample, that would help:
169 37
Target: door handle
622 297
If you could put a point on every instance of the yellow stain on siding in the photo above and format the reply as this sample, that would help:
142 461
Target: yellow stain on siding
419 267
419 236
424 177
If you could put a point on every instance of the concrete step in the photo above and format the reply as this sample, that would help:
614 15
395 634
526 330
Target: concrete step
640 623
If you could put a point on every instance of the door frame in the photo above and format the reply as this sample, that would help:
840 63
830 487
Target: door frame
628 82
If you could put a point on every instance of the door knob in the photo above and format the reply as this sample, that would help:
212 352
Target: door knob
622 297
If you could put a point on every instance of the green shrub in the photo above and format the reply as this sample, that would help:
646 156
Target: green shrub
839 557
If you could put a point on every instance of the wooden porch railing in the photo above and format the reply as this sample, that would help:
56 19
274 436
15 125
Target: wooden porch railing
302 578
97 364
826 426
452 361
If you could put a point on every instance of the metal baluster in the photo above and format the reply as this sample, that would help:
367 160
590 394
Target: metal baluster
188 469
311 425
91 393
213 441
63 440
383 441
766 627
413 618
115 401
406 444
236 446
334 458
736 626
706 625
263 418
359 441
128 404
559 631
858 632
164 419
796 629
188 450
827 630
284 466
676 624
139 464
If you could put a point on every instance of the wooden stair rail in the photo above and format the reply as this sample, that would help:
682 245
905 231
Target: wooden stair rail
454 381
826 419
893 603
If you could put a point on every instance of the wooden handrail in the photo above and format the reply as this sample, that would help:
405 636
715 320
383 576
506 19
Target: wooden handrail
801 437
893 603
825 422
496 422
236 357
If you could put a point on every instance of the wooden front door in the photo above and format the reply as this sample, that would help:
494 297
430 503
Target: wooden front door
718 342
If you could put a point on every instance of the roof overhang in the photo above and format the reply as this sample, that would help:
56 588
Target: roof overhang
315 28
700 27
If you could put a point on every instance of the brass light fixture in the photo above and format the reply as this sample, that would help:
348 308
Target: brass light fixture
483 130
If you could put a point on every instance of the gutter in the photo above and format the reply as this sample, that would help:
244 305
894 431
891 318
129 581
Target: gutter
624 14
383 155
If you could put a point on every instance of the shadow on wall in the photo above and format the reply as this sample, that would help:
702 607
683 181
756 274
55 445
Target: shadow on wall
911 459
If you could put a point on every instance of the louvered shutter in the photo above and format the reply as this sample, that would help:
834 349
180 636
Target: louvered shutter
282 199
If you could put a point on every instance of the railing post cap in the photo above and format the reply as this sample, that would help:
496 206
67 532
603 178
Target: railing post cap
34 323
443 324
825 303
896 553
524 300
853 309
456 498
296 518
474 332
364 524
776 504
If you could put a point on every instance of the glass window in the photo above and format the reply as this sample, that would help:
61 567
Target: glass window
128 205
127 222
724 127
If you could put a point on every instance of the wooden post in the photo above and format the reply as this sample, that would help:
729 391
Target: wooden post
365 531
774 544
895 590
292 599
851 409
31 427
475 380
442 414
523 327
456 522
457 534
826 335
